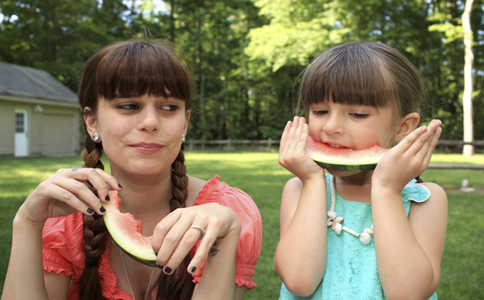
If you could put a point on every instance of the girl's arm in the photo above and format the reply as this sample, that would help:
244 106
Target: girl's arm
408 251
218 277
300 258
173 239
59 195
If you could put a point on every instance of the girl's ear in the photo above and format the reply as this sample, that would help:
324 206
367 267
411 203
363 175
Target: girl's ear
407 125
187 119
90 121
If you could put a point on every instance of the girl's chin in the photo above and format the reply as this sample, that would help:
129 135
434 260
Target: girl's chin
338 173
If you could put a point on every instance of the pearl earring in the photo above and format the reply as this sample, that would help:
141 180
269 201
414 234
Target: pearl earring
183 137
95 136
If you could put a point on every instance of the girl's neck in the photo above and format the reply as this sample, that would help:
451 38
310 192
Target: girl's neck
146 197
355 188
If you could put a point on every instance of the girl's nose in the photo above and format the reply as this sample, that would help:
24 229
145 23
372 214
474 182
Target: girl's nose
334 124
149 120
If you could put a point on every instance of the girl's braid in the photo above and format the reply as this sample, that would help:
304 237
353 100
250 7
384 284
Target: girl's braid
179 285
95 232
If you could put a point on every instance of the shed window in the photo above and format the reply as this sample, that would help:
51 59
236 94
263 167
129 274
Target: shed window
19 122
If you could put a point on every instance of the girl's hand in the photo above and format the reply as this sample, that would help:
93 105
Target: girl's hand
292 151
408 159
177 233
65 192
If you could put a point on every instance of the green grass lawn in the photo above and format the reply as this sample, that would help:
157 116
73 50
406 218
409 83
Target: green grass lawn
261 177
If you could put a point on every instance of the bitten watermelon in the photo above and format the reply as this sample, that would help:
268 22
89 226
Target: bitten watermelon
126 231
344 159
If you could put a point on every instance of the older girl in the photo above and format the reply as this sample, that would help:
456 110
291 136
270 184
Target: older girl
135 96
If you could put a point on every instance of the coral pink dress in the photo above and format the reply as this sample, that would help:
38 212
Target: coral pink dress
63 242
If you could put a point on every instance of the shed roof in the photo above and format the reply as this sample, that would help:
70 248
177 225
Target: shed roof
32 83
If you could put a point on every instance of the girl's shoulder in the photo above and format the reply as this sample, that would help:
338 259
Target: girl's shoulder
220 192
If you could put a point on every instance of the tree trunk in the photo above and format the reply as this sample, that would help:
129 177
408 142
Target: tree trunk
172 21
468 150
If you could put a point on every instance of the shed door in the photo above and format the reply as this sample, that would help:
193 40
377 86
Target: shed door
21 139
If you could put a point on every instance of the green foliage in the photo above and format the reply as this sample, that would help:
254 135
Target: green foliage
245 55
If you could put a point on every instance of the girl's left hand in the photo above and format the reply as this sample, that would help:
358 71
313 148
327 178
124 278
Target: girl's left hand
174 236
408 159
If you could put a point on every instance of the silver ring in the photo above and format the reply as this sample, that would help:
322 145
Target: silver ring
199 228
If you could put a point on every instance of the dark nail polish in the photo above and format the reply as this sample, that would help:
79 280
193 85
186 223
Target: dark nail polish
159 267
120 186
102 209
167 270
90 210
106 198
193 269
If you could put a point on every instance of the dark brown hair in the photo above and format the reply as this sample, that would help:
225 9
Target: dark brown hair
133 67
363 73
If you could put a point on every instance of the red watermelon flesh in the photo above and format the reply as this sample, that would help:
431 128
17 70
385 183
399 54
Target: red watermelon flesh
344 159
126 231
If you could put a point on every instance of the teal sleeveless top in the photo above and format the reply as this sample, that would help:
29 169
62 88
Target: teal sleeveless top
351 270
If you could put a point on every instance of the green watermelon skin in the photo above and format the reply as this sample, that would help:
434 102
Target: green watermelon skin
126 232
151 263
344 159
349 168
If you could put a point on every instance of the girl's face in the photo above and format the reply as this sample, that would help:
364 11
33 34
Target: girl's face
351 126
140 134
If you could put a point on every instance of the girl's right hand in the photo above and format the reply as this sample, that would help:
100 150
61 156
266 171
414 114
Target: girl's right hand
65 192
292 151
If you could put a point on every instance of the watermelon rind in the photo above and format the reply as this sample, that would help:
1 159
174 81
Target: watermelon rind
351 168
130 240
344 159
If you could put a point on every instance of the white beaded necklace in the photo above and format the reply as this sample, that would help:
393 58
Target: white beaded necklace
127 278
335 222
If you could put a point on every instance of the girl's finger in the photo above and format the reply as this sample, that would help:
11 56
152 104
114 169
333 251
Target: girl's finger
299 128
171 240
101 181
62 195
410 139
162 229
433 144
286 130
189 239
423 144
79 190
207 247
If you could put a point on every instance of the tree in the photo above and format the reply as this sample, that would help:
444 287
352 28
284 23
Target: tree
467 97
58 35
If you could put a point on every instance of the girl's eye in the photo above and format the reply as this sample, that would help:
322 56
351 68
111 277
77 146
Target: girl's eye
169 107
128 106
360 115
320 112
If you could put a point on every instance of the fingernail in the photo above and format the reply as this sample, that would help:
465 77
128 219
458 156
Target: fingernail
102 209
193 269
120 186
106 198
90 210
159 267
167 270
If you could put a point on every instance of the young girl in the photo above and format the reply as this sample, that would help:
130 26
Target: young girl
367 234
136 101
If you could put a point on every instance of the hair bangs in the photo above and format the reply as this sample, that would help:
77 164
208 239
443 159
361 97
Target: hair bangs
348 75
140 68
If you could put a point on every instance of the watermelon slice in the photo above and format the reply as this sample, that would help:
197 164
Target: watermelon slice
344 159
126 231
